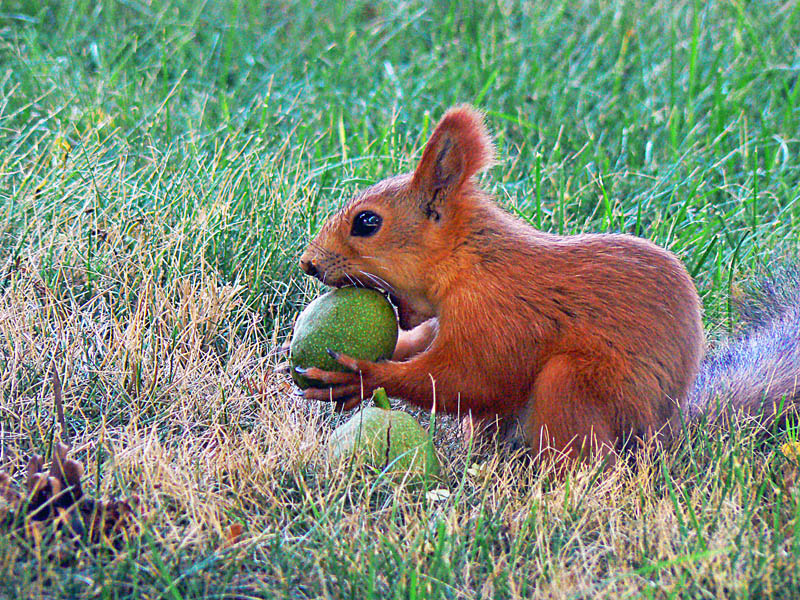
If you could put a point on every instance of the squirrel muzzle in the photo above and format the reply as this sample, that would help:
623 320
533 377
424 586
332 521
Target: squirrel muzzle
308 266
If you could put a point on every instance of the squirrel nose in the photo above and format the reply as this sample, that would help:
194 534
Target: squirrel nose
308 267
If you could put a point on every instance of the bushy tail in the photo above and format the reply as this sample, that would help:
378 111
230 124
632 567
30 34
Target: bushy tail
757 373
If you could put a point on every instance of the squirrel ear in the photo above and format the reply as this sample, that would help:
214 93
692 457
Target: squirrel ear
458 148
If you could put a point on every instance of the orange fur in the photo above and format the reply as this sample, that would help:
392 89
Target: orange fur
580 341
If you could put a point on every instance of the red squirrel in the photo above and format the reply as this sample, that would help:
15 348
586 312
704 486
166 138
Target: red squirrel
580 342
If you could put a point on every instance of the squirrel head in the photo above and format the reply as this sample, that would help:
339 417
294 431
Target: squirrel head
398 234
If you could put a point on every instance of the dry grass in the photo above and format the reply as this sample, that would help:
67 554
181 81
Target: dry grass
236 495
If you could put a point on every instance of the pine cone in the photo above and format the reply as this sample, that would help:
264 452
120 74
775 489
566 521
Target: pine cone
57 496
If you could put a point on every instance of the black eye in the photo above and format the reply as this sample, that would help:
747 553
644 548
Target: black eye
366 224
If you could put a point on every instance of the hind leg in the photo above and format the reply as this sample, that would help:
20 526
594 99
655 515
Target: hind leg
566 419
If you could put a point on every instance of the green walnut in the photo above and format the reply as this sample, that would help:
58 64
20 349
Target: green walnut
358 322
389 440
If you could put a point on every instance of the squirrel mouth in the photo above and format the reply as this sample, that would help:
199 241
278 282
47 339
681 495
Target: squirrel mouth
348 281
345 280
392 297
407 316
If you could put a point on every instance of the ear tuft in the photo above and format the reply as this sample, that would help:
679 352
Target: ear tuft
459 147
466 126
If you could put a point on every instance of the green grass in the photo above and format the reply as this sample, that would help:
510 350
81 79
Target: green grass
162 165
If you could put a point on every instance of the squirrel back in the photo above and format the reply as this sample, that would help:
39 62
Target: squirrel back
585 342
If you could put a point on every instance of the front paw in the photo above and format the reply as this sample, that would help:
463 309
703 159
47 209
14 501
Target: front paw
346 395
346 389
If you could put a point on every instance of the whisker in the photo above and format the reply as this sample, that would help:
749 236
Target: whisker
380 281
325 253
383 267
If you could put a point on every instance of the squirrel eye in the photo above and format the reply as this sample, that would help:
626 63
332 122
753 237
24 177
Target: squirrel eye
366 223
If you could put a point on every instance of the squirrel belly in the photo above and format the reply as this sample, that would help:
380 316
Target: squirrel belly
585 341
